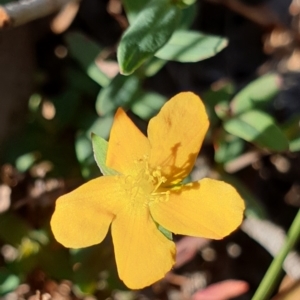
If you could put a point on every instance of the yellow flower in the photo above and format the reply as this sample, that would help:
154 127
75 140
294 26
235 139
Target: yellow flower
149 188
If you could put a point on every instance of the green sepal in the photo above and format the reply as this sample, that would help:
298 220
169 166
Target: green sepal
100 147
165 232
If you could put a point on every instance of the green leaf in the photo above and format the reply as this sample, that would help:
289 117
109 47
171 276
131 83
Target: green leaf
100 147
66 108
102 126
256 94
83 148
292 131
133 7
79 81
295 145
85 51
291 127
222 110
25 161
188 2
151 29
188 16
8 282
120 92
83 145
191 46
228 147
217 100
153 66
84 153
259 128
148 105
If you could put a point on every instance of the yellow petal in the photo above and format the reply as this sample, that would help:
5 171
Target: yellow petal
126 144
82 217
176 135
208 208
143 254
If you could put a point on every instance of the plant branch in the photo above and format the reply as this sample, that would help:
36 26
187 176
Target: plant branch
17 13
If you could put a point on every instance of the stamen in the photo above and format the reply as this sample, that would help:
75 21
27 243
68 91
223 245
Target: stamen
157 178
142 186
159 197
161 180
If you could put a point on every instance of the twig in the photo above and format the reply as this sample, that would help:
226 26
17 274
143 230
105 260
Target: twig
242 161
65 17
272 238
17 13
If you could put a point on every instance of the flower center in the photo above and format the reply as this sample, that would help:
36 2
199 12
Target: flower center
143 186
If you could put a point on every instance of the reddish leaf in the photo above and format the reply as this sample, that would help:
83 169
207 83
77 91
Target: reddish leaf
187 248
223 290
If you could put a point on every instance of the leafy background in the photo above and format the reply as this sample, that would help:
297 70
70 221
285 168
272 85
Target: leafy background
59 83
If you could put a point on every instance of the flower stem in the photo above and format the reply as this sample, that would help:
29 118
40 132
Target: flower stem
271 278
